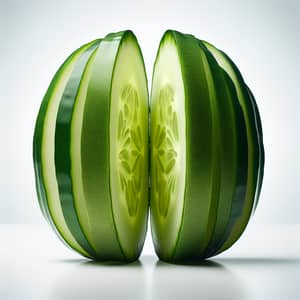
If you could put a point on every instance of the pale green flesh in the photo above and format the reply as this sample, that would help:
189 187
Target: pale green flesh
47 157
129 147
168 149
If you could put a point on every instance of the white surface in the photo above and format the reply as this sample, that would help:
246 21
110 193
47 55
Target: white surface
264 264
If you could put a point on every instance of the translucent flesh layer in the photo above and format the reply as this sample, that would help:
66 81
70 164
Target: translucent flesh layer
168 148
129 147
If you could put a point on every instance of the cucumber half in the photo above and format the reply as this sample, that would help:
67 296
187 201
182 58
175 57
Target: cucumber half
206 151
90 150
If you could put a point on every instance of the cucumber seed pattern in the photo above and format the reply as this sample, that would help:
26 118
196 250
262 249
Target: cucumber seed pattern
131 149
165 136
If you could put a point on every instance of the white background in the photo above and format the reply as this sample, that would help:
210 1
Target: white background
262 37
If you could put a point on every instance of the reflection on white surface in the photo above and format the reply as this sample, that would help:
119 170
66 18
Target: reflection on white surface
35 265
208 280
91 280
228 279
145 279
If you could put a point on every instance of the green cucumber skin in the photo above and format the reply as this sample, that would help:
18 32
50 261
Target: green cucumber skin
203 202
239 193
254 146
62 150
240 220
37 141
261 149
233 156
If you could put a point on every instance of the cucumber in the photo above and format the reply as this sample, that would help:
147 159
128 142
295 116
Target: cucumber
206 151
90 150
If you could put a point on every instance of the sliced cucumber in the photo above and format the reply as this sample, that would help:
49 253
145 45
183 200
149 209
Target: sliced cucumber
90 150
198 202
98 206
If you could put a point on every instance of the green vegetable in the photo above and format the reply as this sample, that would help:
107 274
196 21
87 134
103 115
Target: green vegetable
90 150
206 150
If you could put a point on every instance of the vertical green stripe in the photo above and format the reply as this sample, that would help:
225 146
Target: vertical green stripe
95 151
231 122
253 144
215 86
238 195
62 150
200 150
37 145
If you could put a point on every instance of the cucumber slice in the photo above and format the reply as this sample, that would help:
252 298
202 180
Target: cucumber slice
98 207
200 193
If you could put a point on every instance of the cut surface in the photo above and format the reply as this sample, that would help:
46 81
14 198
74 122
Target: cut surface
168 148
129 147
